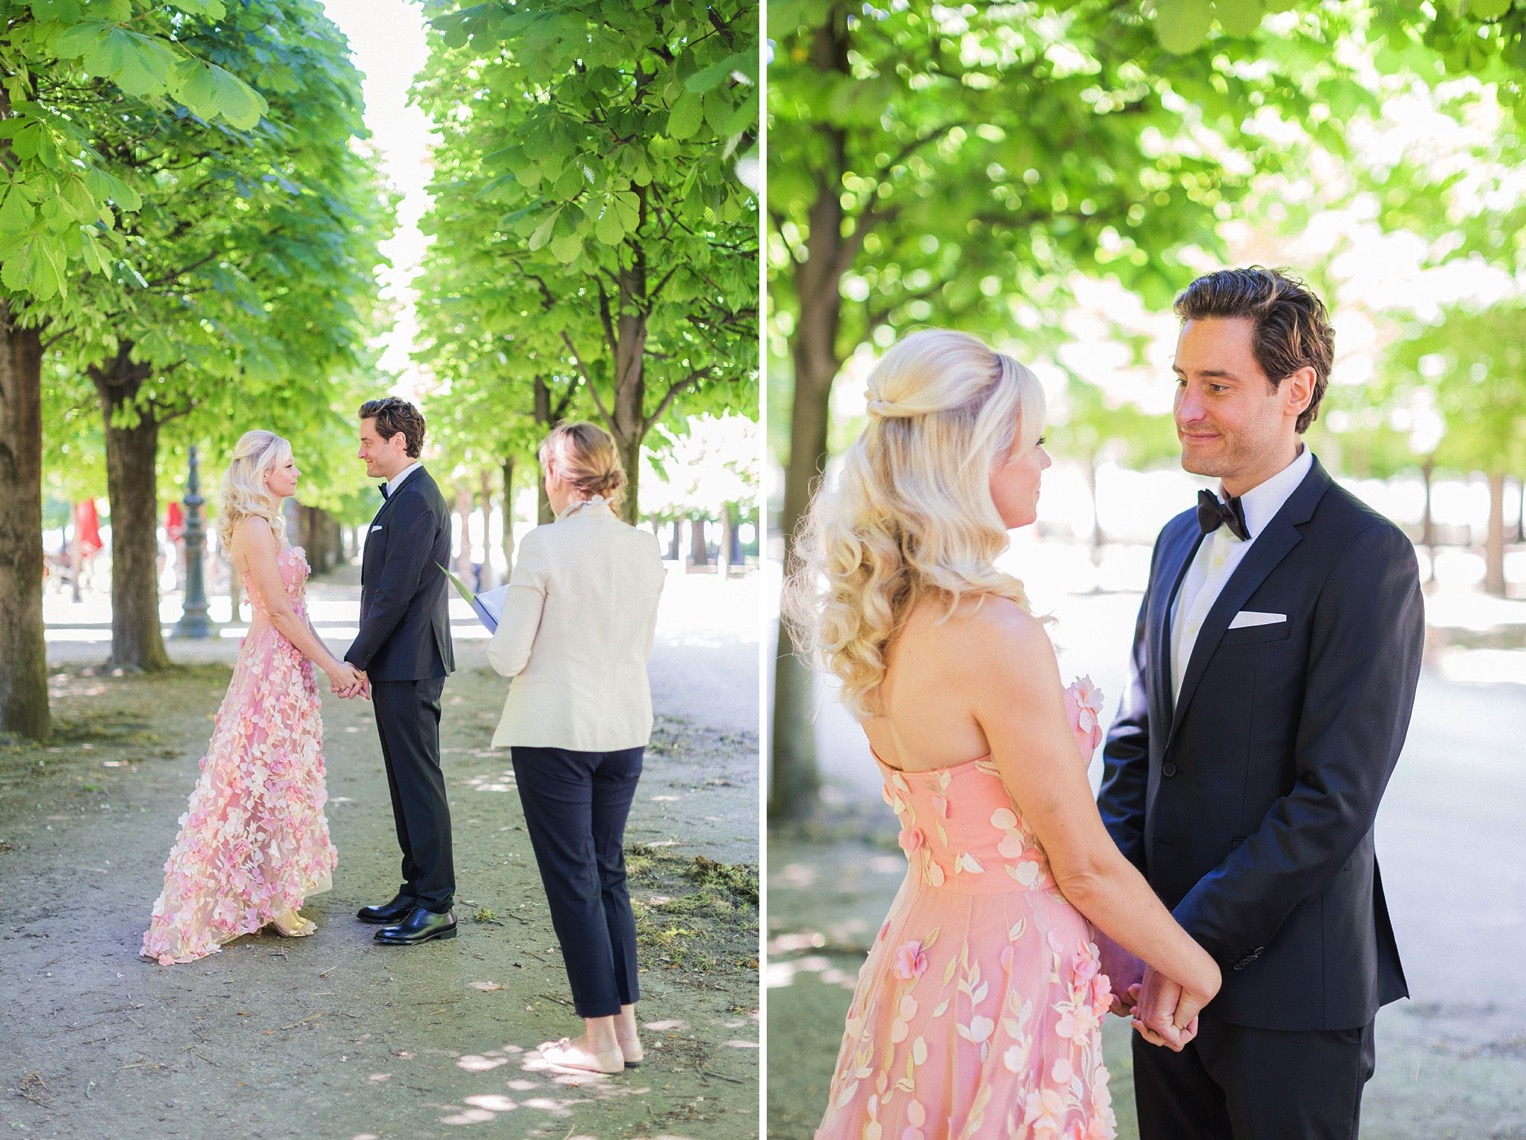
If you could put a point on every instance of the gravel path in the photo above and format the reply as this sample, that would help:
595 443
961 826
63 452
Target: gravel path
335 1036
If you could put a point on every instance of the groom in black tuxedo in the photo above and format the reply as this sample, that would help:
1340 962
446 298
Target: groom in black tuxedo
1274 669
404 648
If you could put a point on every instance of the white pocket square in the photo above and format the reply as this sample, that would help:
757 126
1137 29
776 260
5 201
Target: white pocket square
374 529
1247 618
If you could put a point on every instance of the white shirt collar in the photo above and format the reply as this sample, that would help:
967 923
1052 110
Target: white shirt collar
1265 499
397 480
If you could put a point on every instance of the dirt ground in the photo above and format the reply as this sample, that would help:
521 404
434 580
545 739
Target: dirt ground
334 1035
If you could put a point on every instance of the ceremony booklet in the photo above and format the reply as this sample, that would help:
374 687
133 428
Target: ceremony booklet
487 605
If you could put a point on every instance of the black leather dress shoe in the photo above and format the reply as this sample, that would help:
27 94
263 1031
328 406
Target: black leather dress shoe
388 913
420 926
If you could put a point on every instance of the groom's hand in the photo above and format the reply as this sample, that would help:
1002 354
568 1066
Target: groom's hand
1157 1013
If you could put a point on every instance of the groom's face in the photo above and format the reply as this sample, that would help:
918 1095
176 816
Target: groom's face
1231 421
384 458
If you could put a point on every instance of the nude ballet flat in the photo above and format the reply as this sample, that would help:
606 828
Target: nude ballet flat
565 1055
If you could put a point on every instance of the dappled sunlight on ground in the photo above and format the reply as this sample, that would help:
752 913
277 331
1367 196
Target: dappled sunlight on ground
492 781
531 1091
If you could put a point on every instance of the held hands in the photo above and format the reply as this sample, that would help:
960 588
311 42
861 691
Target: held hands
1164 1012
348 682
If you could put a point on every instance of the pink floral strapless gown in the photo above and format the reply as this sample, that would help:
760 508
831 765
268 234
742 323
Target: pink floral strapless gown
254 841
978 1012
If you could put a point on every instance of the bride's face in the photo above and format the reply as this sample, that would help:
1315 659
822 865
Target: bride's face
1015 484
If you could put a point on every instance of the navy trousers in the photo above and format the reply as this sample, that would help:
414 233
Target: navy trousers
1233 1082
408 722
575 805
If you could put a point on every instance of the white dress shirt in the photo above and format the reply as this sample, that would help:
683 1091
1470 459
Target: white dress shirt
397 480
1218 555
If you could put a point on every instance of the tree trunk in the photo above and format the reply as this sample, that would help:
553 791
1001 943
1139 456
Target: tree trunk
628 402
1494 540
738 555
675 540
464 506
489 577
728 533
132 454
699 554
548 419
814 353
508 514
23 651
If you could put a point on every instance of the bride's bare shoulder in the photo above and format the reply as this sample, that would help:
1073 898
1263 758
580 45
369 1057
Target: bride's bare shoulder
979 629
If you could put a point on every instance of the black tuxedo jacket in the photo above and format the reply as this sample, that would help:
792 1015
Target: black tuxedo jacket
404 622
1249 805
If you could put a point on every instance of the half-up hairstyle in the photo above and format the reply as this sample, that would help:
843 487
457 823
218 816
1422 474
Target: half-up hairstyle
244 493
912 516
584 456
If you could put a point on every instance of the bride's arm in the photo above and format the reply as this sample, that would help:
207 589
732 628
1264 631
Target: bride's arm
255 545
1013 683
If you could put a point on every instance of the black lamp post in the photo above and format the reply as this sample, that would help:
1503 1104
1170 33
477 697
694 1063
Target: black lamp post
193 622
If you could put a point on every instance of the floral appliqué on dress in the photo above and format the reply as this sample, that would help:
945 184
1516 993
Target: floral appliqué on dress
978 1012
254 841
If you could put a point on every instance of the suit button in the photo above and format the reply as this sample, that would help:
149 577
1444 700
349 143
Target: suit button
1168 769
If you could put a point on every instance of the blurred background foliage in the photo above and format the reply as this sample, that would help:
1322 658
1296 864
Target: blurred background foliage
1050 174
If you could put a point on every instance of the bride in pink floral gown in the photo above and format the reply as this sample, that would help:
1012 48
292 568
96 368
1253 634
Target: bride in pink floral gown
978 1011
254 842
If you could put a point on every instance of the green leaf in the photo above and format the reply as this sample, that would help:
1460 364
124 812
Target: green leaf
16 214
210 91
108 187
542 232
567 249
1488 9
685 116
64 11
608 228
1239 17
33 265
1182 25
139 65
629 208
718 73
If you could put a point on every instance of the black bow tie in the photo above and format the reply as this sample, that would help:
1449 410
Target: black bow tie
383 490
1211 514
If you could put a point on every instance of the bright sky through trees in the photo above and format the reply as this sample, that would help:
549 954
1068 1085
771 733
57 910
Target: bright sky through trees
387 41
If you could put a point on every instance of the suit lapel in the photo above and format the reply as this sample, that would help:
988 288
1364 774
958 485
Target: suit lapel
1272 545
1175 556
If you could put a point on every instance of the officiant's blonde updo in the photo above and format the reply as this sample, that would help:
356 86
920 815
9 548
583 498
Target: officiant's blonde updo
585 457
256 454
911 516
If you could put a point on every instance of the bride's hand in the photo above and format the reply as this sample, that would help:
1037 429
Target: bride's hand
1166 1013
344 679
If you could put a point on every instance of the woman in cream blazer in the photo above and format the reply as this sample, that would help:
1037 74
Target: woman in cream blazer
574 638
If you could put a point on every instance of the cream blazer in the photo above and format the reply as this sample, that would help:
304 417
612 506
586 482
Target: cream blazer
576 633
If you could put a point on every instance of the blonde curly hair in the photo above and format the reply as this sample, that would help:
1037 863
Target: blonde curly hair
912 515
244 493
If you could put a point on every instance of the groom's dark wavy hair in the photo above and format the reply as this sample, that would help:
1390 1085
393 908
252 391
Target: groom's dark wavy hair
1292 329
394 414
